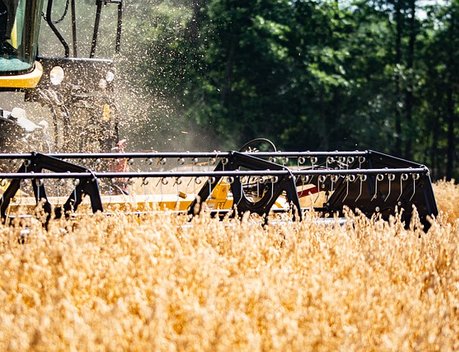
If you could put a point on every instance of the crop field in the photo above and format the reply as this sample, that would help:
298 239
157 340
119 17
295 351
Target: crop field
161 283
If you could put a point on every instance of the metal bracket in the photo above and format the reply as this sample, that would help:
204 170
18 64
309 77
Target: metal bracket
237 160
39 162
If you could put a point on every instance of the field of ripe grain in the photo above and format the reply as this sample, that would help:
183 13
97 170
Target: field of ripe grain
162 284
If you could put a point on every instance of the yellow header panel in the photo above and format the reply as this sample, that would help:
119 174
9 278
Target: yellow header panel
23 81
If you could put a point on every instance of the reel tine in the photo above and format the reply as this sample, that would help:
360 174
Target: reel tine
403 177
320 179
362 178
224 162
272 192
415 178
26 164
39 184
313 161
347 188
189 182
178 181
157 183
350 160
258 186
349 179
304 181
75 183
390 178
209 183
379 177
333 179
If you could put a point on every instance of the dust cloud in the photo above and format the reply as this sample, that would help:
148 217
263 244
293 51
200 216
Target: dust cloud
149 120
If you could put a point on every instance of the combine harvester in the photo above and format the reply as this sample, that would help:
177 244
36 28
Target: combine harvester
231 183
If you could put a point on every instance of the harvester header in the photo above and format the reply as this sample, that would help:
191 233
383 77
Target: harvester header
230 183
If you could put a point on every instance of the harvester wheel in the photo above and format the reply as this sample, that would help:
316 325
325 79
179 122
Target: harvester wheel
257 190
259 145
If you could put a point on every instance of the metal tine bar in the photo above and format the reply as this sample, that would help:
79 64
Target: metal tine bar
325 172
185 155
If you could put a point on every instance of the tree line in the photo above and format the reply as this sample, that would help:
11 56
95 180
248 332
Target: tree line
309 75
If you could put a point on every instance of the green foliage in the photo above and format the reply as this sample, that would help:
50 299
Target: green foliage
306 74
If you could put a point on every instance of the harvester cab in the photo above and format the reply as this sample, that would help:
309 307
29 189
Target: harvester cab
77 89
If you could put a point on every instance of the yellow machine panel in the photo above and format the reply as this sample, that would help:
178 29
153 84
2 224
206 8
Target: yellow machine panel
24 81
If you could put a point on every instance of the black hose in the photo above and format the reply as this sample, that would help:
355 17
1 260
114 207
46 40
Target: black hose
64 14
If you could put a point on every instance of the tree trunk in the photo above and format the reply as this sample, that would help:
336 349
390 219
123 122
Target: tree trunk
194 25
451 114
397 62
451 149
434 146
227 87
410 86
